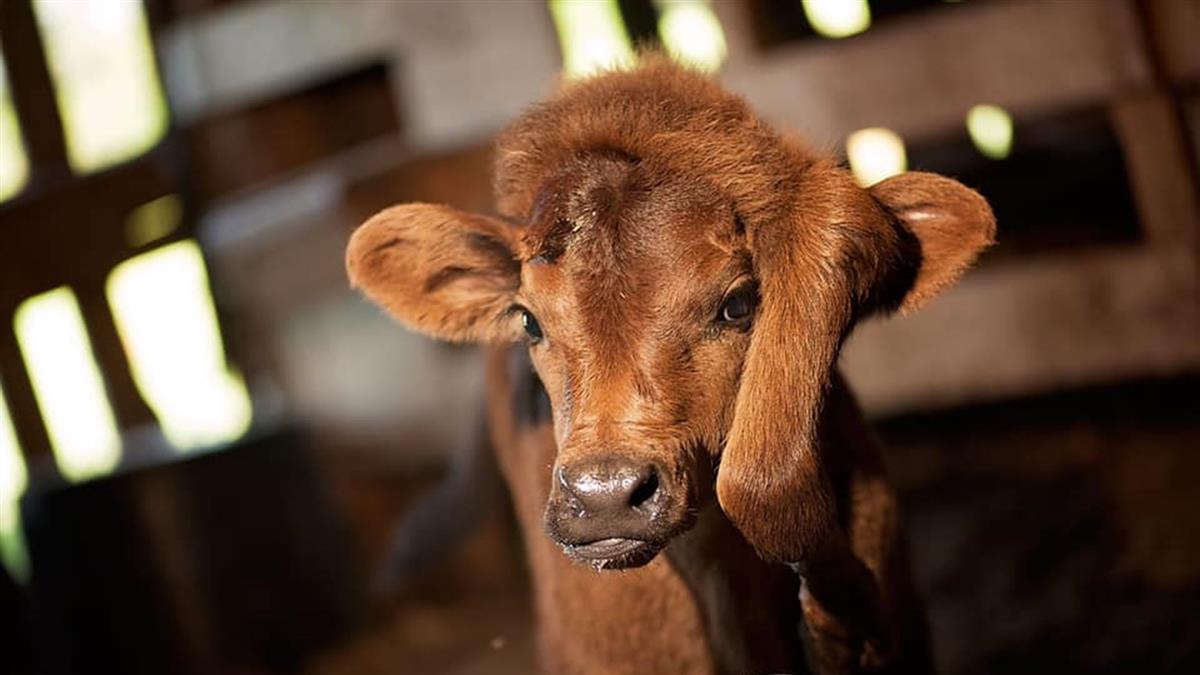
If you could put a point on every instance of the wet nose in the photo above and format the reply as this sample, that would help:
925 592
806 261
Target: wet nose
613 488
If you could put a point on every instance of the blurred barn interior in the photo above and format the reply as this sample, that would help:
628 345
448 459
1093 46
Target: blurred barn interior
207 441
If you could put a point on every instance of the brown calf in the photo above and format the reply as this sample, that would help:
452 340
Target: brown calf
684 277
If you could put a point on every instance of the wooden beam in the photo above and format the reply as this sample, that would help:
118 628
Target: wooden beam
74 232
1159 158
33 93
22 404
127 404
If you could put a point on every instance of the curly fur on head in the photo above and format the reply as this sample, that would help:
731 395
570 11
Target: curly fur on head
672 118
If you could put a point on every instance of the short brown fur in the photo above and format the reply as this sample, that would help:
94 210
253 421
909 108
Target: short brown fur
635 207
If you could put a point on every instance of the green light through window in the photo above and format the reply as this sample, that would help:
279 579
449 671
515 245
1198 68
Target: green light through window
592 34
68 385
991 130
14 165
838 18
168 324
153 221
12 483
875 154
105 79
692 33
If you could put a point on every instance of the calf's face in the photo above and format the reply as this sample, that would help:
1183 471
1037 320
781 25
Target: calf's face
642 298
684 278
637 296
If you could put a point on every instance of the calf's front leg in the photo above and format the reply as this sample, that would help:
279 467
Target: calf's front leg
840 602
861 609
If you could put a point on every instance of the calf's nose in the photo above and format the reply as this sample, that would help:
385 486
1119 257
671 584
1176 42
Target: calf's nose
612 488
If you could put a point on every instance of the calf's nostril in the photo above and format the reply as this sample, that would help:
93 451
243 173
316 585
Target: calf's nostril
645 490
610 489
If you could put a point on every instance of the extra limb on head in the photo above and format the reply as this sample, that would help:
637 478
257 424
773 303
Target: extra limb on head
684 276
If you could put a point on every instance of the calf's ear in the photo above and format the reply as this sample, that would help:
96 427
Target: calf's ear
951 223
841 256
444 272
773 480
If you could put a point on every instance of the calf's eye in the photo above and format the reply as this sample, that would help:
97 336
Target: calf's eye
532 328
738 306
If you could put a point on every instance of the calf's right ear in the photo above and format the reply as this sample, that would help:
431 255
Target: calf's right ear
951 223
438 270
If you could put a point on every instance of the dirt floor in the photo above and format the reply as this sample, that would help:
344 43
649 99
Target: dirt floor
1059 534
1062 533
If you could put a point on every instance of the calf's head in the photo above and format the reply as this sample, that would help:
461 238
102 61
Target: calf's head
684 277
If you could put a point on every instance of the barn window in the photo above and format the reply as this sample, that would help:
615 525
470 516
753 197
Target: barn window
68 385
14 165
12 483
691 33
105 79
168 325
592 35
875 154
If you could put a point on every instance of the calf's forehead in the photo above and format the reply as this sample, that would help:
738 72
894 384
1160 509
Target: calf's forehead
616 227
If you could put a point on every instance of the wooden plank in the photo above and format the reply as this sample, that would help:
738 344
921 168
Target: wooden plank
1174 25
22 406
128 406
1034 326
1160 168
75 232
921 77
272 139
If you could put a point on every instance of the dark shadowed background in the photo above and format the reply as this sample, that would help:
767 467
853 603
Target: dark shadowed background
216 458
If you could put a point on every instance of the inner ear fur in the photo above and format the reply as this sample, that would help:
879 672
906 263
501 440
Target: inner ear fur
950 222
441 271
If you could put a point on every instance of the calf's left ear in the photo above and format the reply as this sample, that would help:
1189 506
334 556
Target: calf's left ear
951 223
838 259
772 482
444 272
